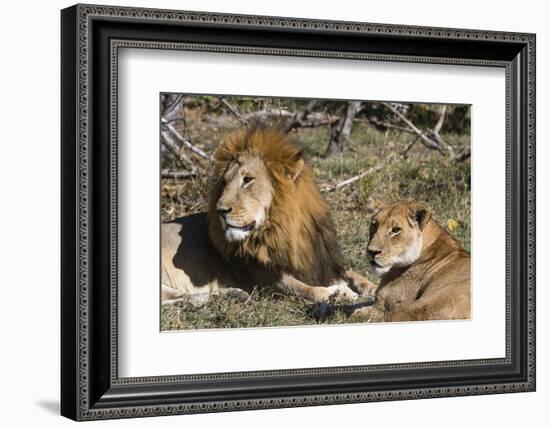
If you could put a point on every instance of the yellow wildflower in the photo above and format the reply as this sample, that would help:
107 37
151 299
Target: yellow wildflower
452 225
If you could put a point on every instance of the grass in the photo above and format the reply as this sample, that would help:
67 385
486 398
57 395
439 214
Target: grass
421 175
262 309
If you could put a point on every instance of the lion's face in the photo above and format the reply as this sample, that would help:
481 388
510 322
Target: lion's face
246 197
396 235
264 205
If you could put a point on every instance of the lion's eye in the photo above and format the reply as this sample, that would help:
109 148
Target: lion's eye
247 180
395 230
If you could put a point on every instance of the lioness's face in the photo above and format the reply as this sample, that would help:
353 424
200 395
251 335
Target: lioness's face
396 235
246 198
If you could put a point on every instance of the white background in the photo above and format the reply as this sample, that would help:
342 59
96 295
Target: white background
29 213
140 343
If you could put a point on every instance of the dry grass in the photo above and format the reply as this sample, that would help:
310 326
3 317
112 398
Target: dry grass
422 175
263 309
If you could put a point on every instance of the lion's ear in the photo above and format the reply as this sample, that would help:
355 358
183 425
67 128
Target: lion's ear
297 168
421 213
373 206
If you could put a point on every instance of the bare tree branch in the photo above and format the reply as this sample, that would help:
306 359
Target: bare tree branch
354 178
423 138
172 174
387 125
309 119
440 119
235 111
310 124
434 140
301 119
464 154
441 142
268 113
437 128
409 146
169 105
176 152
184 141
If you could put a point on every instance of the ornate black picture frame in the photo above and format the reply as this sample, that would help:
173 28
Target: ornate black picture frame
91 36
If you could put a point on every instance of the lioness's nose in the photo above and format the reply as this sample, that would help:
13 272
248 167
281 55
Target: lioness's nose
222 212
373 252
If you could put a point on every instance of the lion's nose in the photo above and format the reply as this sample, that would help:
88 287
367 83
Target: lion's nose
373 252
223 212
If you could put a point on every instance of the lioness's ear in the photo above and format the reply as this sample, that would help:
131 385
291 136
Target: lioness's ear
421 213
298 168
373 206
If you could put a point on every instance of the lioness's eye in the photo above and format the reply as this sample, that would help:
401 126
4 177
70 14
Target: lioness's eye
247 180
395 230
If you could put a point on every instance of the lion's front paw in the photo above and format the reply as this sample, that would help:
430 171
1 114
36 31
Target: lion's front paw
367 314
363 286
341 293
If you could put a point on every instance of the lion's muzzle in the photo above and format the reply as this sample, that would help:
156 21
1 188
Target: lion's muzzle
246 228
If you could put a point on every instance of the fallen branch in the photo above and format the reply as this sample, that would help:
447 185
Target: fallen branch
441 142
354 178
464 154
221 121
311 124
235 111
278 112
172 147
385 125
307 118
437 128
184 141
426 141
409 146
171 174
265 114
429 138
435 142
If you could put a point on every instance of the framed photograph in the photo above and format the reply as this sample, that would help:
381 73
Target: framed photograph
263 212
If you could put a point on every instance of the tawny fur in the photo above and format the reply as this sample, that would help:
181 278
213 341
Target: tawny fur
298 237
294 248
435 285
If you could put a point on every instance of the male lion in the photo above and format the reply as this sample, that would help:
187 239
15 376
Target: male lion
267 225
425 272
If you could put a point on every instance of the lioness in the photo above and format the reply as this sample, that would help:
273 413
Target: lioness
425 271
267 225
